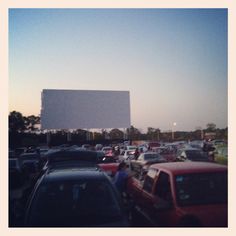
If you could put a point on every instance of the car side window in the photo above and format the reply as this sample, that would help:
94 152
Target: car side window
163 188
149 180
148 183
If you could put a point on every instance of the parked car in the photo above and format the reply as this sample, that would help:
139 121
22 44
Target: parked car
86 146
217 142
197 144
80 158
165 152
19 151
17 175
130 147
43 150
126 155
31 163
107 164
182 194
221 154
145 160
191 154
98 147
76 197
85 157
152 145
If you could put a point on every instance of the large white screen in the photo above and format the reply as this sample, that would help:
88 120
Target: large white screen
84 109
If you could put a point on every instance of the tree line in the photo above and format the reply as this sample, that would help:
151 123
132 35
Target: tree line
25 131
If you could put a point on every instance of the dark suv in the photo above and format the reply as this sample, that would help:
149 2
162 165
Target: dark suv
75 197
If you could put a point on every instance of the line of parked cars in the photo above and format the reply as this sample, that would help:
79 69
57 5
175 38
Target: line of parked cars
70 186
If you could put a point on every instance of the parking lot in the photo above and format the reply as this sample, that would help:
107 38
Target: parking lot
60 179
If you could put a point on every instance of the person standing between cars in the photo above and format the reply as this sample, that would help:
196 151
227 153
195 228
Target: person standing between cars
120 179
136 154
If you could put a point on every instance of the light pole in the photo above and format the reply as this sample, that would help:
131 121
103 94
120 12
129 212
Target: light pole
173 132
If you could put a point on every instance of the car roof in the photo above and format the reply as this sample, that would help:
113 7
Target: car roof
150 152
73 174
72 164
190 149
189 167
30 155
72 154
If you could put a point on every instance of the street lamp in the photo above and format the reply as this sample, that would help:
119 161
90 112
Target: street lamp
173 132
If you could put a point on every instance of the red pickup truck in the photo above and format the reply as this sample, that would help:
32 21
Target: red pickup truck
182 194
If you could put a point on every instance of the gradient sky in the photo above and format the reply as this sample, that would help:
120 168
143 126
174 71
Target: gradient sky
173 61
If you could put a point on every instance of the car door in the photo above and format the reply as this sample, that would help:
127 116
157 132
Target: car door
158 203
147 198
163 208
134 188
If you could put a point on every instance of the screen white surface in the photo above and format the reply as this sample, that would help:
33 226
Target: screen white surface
85 109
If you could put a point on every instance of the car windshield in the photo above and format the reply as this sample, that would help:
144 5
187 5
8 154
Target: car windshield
201 188
196 155
75 203
151 156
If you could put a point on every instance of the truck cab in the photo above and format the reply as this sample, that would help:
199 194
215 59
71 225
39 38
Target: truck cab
182 194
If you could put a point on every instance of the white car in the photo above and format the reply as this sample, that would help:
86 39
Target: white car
127 155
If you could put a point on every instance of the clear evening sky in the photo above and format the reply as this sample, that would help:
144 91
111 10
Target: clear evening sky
173 61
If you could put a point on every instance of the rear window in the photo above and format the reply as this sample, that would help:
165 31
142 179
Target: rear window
196 154
74 203
150 156
201 188
107 149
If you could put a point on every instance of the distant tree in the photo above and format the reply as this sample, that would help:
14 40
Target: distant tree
97 136
133 133
116 134
222 133
105 134
198 133
153 133
16 122
31 122
210 127
150 132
